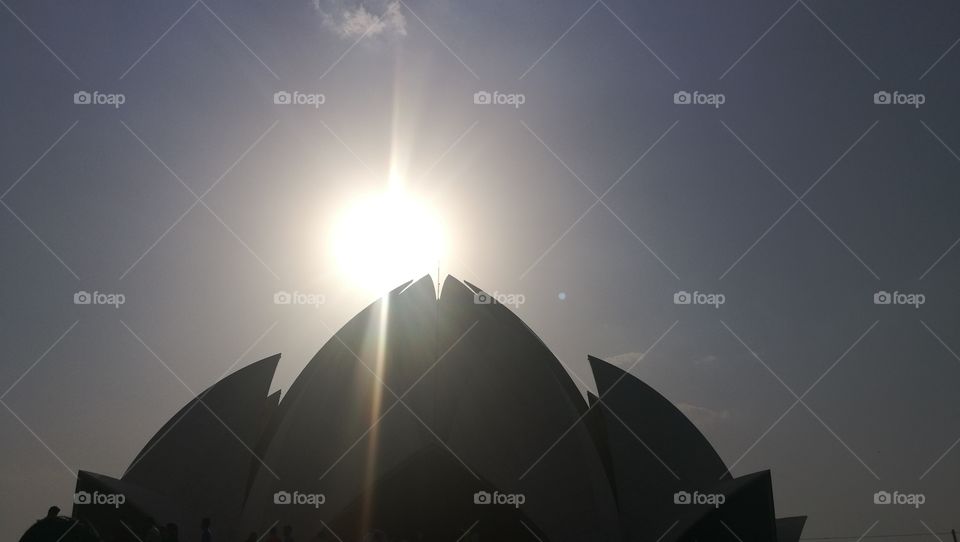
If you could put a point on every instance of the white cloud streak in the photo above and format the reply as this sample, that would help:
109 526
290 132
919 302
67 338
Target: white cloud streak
351 19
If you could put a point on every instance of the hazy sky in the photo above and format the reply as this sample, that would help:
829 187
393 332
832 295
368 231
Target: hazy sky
798 198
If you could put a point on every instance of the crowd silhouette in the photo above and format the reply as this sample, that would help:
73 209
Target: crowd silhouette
58 528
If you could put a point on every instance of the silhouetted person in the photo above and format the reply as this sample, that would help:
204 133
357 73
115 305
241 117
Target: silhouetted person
273 535
170 533
288 533
45 528
153 533
206 535
56 528
253 537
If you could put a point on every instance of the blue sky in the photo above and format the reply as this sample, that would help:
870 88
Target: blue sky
798 199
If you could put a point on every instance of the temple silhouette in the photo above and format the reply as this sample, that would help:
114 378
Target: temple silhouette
435 418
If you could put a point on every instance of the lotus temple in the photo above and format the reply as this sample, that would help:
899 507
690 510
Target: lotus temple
434 418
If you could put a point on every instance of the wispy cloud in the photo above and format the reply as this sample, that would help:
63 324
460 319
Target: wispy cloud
627 359
351 19
703 415
709 358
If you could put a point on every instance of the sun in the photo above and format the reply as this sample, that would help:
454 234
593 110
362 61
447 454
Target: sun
384 239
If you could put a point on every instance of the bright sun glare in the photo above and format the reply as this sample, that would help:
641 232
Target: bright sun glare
383 240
